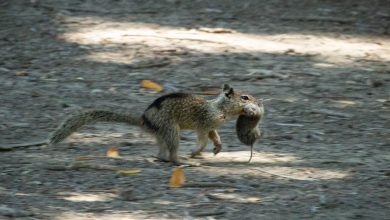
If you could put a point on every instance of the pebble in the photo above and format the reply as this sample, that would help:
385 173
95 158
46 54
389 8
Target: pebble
96 91
313 209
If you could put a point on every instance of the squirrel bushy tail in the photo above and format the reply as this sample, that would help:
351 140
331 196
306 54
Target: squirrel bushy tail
76 121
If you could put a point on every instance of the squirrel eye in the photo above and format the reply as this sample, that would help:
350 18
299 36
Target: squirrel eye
244 97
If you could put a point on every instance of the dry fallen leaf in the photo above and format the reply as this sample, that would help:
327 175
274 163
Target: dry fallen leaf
128 171
217 30
177 179
112 152
148 84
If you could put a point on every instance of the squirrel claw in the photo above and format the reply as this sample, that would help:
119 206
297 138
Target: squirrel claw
217 149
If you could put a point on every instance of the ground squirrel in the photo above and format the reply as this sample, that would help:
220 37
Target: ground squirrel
169 114
247 125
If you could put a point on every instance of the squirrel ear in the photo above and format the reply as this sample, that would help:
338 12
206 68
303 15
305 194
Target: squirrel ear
226 87
228 90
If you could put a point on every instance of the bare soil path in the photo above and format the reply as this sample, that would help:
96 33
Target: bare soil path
323 66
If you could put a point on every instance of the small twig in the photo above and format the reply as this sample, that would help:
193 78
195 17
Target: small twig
78 165
53 8
149 65
323 96
22 145
274 84
318 19
289 125
175 38
278 175
100 157
332 113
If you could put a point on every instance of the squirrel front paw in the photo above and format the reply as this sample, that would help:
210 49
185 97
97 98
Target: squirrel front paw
217 148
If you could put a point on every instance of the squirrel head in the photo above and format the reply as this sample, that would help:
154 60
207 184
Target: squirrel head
235 102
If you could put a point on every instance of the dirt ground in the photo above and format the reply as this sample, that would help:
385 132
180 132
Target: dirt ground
322 67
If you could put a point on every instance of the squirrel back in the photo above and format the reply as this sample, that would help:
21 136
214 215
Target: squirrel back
187 111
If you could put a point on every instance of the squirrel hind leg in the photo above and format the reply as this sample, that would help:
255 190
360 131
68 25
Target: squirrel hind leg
163 152
168 141
173 146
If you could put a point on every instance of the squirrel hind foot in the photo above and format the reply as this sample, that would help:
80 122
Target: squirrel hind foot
196 155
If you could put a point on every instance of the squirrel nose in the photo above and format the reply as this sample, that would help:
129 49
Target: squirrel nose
249 110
